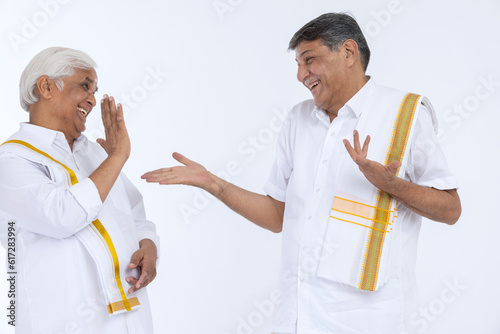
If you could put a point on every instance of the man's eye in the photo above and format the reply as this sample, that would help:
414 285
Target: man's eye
85 86
309 60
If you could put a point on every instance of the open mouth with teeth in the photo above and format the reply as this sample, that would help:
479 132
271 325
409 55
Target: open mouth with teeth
312 85
82 111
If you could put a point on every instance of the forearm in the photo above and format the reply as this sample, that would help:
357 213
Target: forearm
54 210
105 175
438 205
117 145
262 210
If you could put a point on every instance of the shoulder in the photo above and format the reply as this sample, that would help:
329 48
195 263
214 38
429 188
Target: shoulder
395 93
301 111
93 150
384 93
304 107
6 147
299 116
388 93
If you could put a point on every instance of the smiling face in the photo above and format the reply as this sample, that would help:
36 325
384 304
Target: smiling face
323 72
70 106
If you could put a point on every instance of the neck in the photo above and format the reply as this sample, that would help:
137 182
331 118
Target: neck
351 87
35 118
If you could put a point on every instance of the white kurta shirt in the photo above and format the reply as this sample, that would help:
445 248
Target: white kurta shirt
304 176
58 287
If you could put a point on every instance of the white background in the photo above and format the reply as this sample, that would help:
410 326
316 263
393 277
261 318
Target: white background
229 76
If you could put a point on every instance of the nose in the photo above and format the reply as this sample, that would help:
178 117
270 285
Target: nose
302 73
91 100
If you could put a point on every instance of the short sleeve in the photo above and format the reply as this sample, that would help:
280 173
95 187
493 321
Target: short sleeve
282 168
427 165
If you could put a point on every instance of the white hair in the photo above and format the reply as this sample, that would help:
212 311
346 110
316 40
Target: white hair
57 63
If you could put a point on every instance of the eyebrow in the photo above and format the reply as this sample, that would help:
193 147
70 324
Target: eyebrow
303 53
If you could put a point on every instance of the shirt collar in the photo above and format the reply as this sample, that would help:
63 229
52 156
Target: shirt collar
358 101
50 137
356 104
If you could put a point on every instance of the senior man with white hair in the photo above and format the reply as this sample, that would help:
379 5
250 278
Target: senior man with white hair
84 249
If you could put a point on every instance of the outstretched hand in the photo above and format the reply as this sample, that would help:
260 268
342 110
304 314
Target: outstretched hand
381 176
192 174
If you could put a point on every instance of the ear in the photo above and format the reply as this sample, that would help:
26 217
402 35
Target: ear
351 52
45 87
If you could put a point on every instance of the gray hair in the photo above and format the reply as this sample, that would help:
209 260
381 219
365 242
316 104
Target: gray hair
57 63
333 29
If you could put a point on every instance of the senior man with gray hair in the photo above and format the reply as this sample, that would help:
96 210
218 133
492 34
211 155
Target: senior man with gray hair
348 248
84 249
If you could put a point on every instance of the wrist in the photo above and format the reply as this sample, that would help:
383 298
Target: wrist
392 186
118 156
215 185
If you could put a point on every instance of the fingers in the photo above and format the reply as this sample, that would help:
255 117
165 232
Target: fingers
108 108
394 166
365 146
105 114
143 281
111 112
169 174
132 281
355 141
101 142
182 159
358 154
145 278
159 175
357 151
136 259
136 262
119 112
150 176
357 147
117 139
148 274
350 149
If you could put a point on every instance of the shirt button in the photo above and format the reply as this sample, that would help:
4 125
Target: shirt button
309 218
317 190
301 275
325 161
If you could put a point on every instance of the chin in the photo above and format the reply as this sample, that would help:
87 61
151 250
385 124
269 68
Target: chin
318 104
